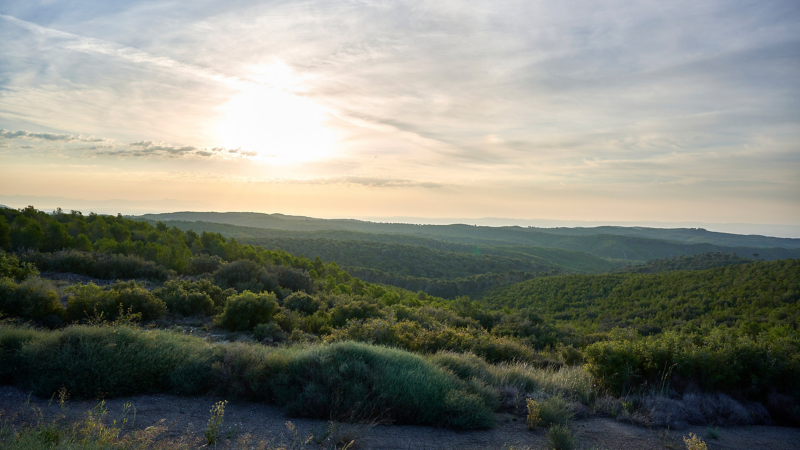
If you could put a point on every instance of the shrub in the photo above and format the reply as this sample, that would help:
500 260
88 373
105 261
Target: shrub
559 438
202 263
246 310
339 381
32 299
556 410
105 266
84 300
693 442
721 360
12 340
534 413
357 380
412 336
301 302
12 268
246 275
134 297
113 361
465 365
268 331
181 298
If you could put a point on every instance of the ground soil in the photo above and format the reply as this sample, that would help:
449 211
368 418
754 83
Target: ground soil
185 420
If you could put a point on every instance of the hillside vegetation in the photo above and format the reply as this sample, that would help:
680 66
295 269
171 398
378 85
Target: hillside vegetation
730 330
757 296
634 244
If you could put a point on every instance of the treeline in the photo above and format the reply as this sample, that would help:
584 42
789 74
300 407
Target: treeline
405 260
756 296
471 286
702 261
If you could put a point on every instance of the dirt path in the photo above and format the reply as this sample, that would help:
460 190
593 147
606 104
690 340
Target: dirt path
185 419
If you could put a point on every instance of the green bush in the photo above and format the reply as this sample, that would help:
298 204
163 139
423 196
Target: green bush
246 310
268 331
84 299
302 303
134 297
559 438
556 410
182 298
244 275
105 266
414 337
12 268
89 300
32 299
347 380
721 360
202 264
340 381
113 361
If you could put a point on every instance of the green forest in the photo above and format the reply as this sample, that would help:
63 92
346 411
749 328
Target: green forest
720 322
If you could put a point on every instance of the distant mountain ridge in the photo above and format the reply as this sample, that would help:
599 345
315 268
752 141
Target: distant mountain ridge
571 238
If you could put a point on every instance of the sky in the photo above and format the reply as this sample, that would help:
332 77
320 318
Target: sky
635 111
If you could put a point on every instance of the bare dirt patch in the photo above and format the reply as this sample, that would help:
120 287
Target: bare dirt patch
185 420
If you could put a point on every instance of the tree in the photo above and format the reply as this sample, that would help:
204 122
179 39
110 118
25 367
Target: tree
5 234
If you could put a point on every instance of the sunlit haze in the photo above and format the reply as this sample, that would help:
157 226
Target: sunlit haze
636 112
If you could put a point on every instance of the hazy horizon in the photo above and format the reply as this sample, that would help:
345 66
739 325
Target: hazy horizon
679 112
130 208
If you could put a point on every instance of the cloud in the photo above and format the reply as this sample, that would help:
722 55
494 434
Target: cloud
366 181
107 147
48 136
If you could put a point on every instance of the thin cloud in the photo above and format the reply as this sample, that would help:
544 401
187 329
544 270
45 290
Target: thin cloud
48 136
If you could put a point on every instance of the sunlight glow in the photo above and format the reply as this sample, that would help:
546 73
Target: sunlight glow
277 125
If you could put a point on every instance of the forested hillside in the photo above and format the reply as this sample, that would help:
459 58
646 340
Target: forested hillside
567 260
731 329
632 246
695 262
758 296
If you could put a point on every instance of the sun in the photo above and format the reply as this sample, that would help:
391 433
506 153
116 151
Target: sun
276 124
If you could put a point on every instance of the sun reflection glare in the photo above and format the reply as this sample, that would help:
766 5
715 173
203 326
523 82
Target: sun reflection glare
276 124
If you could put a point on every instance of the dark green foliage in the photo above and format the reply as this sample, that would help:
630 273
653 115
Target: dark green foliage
244 311
189 298
134 297
301 302
5 234
694 262
718 360
246 275
406 260
11 267
414 337
556 410
202 263
99 265
356 380
339 381
11 341
32 299
89 301
113 361
765 293
473 285
631 243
